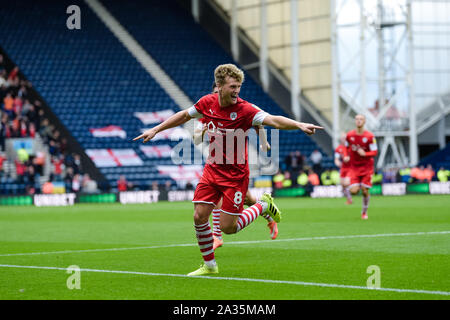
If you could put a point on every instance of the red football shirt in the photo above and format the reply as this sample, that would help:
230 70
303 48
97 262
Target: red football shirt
340 153
367 142
227 129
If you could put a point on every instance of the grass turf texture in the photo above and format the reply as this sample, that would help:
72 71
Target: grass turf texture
419 262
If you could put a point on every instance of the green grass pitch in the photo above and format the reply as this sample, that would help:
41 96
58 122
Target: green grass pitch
323 251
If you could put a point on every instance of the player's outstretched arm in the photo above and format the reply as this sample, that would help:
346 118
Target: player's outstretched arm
263 138
283 123
175 120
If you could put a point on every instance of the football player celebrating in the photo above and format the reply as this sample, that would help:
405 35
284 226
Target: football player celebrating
226 172
250 200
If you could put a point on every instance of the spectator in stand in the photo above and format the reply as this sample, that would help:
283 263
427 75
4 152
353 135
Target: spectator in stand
22 93
68 179
13 78
2 63
415 174
3 76
313 178
335 177
189 186
20 170
26 108
17 106
428 173
57 168
316 160
378 177
155 185
30 180
89 185
443 174
419 174
47 187
3 127
288 161
8 105
77 163
168 185
389 176
32 130
53 148
287 181
296 165
300 159
39 162
14 129
3 82
29 111
325 177
63 146
45 131
122 183
2 159
23 128
405 175
278 180
23 155
302 179
76 183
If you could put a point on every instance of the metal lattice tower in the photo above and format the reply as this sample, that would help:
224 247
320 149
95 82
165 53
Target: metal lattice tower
374 77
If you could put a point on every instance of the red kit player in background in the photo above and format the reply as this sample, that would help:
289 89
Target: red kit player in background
360 152
344 168
226 173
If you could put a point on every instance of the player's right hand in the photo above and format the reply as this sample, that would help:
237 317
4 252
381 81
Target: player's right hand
346 159
147 135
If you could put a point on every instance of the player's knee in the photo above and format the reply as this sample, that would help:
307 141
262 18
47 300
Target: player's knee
200 217
354 190
228 228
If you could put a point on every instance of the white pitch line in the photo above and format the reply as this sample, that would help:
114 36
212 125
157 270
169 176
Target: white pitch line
231 243
300 283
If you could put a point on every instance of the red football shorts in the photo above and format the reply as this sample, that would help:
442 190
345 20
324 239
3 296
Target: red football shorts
345 172
233 193
361 176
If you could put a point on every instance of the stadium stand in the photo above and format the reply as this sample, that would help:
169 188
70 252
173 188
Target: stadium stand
189 55
438 159
103 96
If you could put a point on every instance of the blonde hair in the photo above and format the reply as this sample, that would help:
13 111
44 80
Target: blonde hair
224 70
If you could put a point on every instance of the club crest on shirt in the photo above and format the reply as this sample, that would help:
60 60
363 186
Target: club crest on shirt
233 116
364 139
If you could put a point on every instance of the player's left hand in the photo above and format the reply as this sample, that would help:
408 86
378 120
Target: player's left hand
309 128
361 152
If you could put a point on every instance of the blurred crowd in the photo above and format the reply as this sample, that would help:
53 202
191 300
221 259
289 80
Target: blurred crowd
23 117
300 171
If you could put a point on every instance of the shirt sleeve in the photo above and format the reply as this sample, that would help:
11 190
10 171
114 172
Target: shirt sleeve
373 145
259 118
194 113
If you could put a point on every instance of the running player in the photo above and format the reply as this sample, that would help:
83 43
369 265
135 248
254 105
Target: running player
344 168
250 200
226 173
360 152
